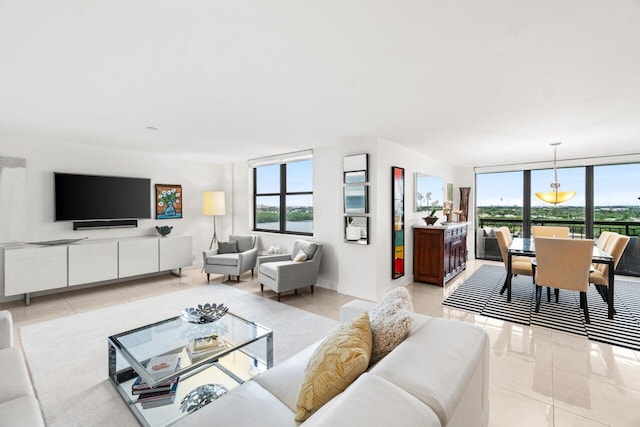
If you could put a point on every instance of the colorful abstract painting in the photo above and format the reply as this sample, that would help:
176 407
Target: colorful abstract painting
168 201
397 198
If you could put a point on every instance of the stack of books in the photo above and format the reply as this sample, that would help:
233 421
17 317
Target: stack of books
205 346
164 393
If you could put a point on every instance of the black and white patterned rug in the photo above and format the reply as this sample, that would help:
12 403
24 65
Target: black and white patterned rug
481 294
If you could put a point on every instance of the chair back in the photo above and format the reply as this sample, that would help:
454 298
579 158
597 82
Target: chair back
563 263
313 250
550 231
603 239
503 243
245 242
507 233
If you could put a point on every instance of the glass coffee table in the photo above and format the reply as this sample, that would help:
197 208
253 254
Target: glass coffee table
244 350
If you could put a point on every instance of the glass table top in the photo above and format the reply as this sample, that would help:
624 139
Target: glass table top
176 336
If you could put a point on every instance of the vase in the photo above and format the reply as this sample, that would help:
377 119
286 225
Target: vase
170 210
464 203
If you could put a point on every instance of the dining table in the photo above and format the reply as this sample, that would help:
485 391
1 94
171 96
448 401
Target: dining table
525 246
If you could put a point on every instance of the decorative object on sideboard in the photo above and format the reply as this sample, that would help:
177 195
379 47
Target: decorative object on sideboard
164 230
204 313
213 204
432 218
168 201
201 396
464 203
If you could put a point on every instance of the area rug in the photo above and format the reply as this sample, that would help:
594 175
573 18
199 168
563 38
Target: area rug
67 357
481 294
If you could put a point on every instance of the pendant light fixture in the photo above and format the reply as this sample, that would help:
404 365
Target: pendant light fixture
554 196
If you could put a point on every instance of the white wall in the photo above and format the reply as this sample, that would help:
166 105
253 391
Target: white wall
358 270
327 174
43 159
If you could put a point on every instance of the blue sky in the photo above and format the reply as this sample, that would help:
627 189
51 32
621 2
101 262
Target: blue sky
299 178
614 185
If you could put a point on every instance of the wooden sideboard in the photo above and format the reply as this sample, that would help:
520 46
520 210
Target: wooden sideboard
439 252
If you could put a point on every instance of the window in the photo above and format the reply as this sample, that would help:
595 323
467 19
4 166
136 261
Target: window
283 197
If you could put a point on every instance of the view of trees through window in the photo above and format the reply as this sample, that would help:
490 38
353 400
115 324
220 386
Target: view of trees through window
284 197
499 199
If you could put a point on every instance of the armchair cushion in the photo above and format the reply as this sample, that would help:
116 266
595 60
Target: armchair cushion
309 248
230 247
223 259
245 243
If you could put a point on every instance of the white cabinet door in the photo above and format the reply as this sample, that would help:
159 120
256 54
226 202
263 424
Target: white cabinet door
137 256
175 252
93 262
33 269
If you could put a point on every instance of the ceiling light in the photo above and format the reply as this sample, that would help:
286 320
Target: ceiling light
554 196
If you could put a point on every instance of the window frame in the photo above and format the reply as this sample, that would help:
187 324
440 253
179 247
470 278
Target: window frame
282 195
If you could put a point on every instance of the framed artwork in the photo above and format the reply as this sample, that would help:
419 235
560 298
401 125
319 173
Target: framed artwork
397 203
355 168
355 199
168 201
356 230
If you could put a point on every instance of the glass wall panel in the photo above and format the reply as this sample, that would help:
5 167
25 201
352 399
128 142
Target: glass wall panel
570 213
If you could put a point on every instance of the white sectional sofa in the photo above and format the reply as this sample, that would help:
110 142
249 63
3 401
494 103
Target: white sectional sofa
18 403
438 376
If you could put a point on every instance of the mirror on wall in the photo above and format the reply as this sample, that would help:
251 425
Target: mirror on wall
355 168
429 192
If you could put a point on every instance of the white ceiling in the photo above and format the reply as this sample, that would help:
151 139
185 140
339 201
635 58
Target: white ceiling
475 82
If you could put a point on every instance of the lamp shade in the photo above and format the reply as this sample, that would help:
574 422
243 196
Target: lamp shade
555 197
213 203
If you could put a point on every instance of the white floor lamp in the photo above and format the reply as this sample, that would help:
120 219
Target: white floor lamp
213 205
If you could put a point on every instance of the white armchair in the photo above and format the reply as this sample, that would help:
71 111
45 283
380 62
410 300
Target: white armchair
281 273
233 264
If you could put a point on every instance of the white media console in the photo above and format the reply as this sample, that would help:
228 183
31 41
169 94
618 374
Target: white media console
33 268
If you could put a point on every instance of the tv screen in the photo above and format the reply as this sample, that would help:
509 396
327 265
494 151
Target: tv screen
93 197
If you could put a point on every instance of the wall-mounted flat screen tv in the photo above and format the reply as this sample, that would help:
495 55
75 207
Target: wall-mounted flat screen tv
94 197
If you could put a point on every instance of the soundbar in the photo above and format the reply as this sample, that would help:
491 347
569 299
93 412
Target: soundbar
116 223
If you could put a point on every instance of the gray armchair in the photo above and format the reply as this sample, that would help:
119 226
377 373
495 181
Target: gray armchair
233 264
281 273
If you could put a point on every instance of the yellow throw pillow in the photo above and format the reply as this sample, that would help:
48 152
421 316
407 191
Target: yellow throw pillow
335 364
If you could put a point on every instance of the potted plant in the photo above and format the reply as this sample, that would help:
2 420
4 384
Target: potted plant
431 218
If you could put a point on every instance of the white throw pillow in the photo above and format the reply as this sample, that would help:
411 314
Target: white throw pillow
301 257
391 322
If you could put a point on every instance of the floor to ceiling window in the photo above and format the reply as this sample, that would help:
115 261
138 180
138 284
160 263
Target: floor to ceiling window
606 199
570 213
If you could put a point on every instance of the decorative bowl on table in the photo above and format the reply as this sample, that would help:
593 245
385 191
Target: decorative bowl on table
204 313
164 230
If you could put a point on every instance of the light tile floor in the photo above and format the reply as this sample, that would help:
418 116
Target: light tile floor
539 377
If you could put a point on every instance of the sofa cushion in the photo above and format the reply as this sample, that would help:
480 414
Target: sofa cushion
229 247
373 401
248 405
23 411
15 378
223 259
391 322
245 243
283 379
443 355
335 364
